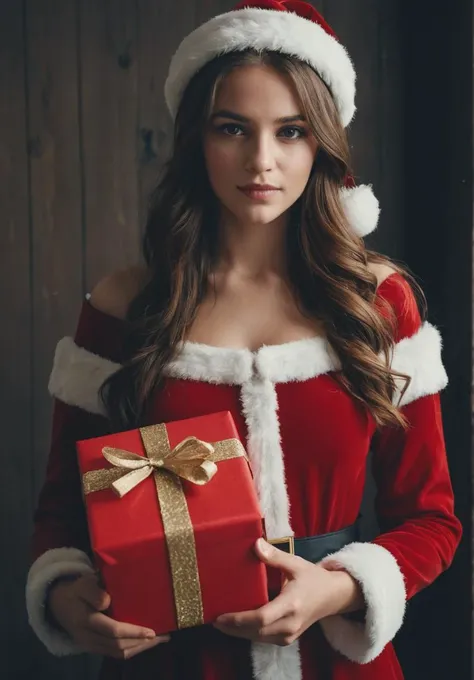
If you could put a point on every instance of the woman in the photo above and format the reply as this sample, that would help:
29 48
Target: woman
259 297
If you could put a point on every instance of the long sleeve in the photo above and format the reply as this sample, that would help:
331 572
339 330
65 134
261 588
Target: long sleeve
60 516
60 542
414 502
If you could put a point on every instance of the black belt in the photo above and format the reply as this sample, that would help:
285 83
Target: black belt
316 548
312 548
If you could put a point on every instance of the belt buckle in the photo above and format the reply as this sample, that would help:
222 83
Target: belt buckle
286 544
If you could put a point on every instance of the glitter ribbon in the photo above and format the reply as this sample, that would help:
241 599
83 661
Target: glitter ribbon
193 460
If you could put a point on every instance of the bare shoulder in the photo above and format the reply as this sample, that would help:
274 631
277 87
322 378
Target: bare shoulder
381 271
114 293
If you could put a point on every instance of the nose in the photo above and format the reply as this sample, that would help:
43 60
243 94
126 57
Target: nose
260 153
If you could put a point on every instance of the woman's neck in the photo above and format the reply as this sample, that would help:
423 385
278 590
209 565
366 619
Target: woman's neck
253 251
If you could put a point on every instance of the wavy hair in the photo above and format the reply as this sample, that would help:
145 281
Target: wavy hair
328 264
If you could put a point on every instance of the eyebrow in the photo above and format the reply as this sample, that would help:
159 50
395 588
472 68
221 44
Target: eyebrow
224 113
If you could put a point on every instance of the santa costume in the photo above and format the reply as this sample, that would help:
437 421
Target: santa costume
307 438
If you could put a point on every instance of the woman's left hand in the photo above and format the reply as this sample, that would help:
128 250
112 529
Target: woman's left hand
311 592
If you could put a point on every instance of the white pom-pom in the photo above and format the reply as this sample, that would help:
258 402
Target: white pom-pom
361 208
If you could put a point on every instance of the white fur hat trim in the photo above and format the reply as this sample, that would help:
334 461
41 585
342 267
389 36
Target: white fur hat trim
265 29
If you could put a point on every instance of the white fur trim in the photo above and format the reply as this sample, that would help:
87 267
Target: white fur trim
271 662
361 208
259 406
420 357
263 29
225 365
377 571
53 563
260 409
297 360
78 374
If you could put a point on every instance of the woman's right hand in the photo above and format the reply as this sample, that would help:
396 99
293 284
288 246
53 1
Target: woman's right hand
76 606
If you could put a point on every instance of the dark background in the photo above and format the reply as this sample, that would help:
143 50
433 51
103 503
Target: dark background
83 131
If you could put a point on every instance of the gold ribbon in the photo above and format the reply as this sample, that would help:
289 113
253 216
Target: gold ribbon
193 460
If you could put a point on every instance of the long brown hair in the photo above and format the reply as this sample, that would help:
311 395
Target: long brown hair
328 263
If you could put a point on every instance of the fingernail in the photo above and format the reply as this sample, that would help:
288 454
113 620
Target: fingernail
263 546
150 633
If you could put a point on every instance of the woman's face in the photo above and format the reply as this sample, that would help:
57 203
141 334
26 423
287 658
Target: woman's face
256 136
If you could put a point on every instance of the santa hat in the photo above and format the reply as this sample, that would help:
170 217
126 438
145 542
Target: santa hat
294 28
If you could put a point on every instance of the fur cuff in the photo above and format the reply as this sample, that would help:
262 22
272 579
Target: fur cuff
53 563
77 376
420 357
379 575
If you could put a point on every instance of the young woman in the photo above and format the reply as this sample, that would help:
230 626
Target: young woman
259 297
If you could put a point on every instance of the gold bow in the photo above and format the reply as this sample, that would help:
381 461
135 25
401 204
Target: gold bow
193 460
190 460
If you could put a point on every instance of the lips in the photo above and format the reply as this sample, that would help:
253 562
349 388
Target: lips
259 192
259 187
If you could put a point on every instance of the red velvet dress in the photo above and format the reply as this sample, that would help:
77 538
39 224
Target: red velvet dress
308 442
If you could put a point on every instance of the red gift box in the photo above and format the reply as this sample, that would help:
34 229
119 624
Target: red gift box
150 576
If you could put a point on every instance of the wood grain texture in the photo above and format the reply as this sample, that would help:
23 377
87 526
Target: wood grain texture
155 126
56 224
356 25
54 150
370 31
109 81
389 237
16 500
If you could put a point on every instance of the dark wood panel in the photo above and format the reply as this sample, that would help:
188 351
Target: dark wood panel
206 9
55 189
356 24
370 32
389 237
319 5
109 70
15 338
56 212
154 121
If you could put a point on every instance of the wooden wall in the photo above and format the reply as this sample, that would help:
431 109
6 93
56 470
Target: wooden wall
83 132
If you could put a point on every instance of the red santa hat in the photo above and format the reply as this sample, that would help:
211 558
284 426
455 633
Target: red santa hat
294 28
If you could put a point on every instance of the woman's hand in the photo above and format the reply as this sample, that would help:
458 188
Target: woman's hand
77 605
311 592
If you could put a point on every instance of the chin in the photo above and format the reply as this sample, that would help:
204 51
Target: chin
259 215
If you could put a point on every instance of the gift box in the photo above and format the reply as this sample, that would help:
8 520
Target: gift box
173 518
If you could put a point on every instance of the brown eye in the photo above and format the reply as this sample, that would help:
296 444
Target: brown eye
231 129
293 132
